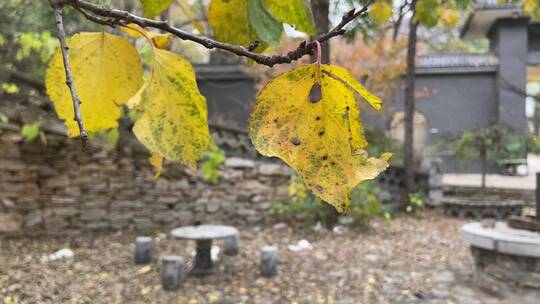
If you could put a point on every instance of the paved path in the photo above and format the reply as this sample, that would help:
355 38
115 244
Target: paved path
527 182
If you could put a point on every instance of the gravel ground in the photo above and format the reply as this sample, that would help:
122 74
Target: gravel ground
406 260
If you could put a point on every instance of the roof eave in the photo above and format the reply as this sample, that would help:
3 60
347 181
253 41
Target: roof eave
456 70
480 21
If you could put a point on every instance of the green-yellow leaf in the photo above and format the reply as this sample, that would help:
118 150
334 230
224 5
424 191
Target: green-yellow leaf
448 16
266 25
106 71
426 12
152 8
318 134
230 23
294 12
380 12
174 123
30 131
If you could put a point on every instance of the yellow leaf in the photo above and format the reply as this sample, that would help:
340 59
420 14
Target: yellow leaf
161 41
380 12
229 22
133 30
152 8
532 9
293 12
321 138
174 124
448 16
135 101
144 270
106 71
157 162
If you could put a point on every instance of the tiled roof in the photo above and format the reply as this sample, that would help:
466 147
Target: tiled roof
493 4
441 61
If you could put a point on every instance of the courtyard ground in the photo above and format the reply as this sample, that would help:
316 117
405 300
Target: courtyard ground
405 260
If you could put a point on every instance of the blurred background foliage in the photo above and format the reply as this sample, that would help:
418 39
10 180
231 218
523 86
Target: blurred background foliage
367 202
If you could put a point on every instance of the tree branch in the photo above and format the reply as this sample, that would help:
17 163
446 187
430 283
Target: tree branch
58 14
121 17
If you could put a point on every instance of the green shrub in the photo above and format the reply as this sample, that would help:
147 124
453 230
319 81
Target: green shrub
366 203
533 143
380 143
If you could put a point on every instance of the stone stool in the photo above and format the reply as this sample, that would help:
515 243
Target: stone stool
269 261
143 250
172 272
231 245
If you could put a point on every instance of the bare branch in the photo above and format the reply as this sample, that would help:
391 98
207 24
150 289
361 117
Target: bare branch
121 17
58 14
509 86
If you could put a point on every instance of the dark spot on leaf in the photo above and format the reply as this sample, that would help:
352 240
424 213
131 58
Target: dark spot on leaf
319 188
295 141
325 157
315 94
321 133
318 118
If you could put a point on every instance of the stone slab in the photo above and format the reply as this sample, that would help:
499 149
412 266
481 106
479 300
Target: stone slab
204 232
503 239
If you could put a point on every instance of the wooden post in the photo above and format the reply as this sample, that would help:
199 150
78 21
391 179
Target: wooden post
269 261
143 250
172 272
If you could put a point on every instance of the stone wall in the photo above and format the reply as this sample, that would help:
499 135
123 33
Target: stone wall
59 188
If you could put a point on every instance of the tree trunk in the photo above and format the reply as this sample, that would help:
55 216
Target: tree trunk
409 109
483 168
321 11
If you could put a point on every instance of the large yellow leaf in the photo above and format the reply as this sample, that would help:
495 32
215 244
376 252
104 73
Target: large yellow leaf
107 72
293 12
318 133
152 8
174 123
230 23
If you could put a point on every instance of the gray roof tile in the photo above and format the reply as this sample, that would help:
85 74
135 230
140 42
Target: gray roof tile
457 61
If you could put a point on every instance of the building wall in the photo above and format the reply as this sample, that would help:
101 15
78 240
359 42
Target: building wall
509 40
58 188
453 103
229 93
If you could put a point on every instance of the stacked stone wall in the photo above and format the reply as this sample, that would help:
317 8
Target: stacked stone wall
58 188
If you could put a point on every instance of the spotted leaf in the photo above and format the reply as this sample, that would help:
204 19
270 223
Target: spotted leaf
317 134
174 122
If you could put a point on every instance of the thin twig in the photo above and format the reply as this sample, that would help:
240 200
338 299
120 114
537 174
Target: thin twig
121 17
58 14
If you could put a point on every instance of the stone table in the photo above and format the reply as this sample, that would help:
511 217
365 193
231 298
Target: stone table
203 235
506 258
